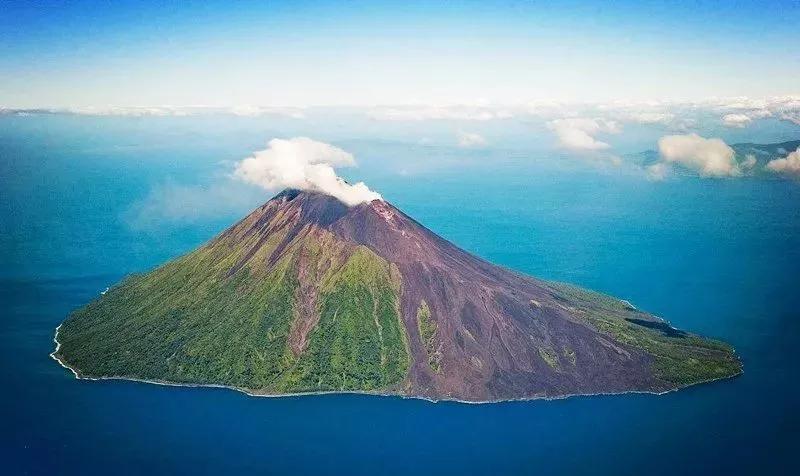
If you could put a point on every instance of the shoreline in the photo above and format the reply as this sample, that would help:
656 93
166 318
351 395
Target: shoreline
55 357
249 393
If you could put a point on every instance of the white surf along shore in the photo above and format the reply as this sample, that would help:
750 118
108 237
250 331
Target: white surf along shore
78 376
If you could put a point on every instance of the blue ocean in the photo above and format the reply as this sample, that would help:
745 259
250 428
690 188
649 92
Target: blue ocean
85 201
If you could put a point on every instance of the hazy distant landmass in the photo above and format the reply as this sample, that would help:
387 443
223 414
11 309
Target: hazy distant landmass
309 295
751 158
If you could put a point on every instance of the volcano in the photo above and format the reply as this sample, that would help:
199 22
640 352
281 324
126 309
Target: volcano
308 295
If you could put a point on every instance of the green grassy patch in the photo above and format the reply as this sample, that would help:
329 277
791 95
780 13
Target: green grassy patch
359 343
679 358
549 357
428 332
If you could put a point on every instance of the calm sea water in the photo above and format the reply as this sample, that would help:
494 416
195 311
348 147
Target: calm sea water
83 204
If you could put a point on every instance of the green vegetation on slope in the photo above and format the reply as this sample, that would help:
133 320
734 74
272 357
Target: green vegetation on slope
189 322
549 356
186 322
428 334
359 343
679 358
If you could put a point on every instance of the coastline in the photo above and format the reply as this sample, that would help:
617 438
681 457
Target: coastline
249 393
55 357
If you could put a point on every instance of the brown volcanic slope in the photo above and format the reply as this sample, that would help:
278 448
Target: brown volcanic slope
308 295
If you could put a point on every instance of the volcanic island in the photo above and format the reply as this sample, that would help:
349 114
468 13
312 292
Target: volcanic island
308 295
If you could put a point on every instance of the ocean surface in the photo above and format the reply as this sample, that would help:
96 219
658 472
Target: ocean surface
85 201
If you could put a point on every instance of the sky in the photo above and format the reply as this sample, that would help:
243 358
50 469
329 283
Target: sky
300 54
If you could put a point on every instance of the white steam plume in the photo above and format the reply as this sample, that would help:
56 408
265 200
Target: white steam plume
304 164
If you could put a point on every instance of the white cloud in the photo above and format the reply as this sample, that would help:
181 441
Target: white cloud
792 116
708 157
734 111
672 116
128 111
664 118
657 172
645 112
789 165
784 108
304 164
744 119
469 139
553 109
759 113
256 111
736 102
444 113
736 120
168 110
578 133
